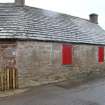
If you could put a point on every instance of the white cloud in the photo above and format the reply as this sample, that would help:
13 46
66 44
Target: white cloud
6 1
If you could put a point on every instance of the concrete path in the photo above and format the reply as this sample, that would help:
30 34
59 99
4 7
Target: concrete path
88 94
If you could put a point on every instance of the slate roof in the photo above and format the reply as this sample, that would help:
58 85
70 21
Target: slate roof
39 24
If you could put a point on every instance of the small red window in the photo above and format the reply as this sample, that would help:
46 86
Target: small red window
67 54
101 54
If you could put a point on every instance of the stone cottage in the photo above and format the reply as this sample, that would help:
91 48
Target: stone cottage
46 46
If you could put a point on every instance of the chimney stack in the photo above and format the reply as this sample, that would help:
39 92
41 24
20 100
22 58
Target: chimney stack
20 3
93 18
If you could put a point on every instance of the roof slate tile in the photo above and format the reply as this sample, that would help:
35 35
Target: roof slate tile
39 24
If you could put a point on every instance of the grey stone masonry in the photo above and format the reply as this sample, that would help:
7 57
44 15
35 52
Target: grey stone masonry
19 2
38 64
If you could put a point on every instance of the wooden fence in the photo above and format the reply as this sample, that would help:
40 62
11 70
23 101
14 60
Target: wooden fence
8 79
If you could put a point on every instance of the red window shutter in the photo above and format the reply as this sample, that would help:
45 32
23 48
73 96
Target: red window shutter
101 54
67 54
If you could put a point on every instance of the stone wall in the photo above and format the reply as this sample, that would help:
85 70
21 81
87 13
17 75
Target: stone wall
7 55
41 62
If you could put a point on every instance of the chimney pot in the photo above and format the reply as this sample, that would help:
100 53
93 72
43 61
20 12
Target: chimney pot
93 18
20 3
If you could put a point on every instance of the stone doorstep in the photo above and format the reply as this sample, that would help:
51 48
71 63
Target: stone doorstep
12 92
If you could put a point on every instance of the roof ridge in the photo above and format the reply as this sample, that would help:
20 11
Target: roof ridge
60 13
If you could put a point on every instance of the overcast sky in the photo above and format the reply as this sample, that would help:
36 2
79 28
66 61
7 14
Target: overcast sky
80 8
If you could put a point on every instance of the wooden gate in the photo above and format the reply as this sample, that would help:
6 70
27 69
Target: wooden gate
8 79
8 71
